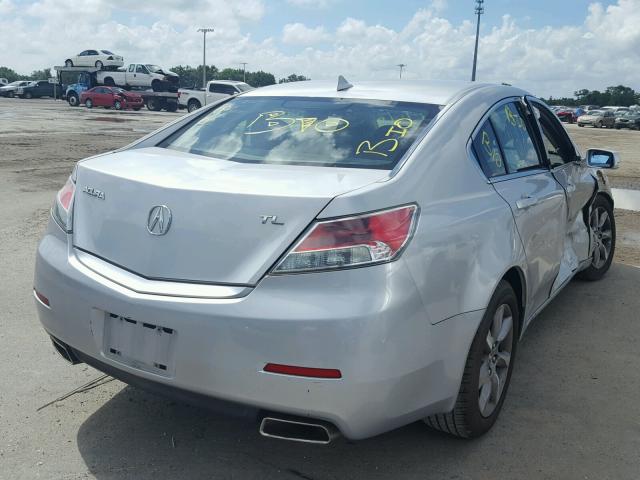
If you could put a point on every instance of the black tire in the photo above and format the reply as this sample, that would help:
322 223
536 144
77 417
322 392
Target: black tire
137 109
28 95
596 272
68 63
154 105
108 81
171 107
156 86
99 65
88 103
73 100
466 420
193 105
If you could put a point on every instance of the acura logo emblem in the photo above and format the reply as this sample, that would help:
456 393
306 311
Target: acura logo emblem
159 220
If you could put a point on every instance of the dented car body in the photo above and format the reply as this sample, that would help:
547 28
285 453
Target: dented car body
340 260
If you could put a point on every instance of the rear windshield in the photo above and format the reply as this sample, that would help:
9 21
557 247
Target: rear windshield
307 131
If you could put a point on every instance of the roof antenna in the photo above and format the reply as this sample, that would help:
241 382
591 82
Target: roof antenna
343 84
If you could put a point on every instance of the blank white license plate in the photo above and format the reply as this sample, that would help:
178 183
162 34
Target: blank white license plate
141 345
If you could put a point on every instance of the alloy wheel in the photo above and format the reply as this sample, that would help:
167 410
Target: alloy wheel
496 359
602 236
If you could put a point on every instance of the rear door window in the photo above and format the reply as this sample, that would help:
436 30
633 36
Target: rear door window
514 135
487 150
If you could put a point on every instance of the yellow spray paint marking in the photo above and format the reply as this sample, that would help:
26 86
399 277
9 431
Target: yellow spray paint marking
373 149
274 121
493 153
331 125
306 122
400 127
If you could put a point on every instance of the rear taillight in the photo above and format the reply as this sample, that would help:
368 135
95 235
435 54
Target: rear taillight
62 205
353 241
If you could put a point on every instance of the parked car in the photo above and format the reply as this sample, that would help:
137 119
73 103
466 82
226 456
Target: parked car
566 115
95 58
9 90
305 250
36 89
193 99
629 120
598 119
109 97
588 108
140 75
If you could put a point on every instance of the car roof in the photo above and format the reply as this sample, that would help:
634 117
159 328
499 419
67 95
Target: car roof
227 82
433 92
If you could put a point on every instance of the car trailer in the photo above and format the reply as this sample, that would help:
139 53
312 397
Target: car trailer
75 80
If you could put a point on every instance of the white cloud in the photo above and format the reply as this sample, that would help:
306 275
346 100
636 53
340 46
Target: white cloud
601 49
300 34
311 3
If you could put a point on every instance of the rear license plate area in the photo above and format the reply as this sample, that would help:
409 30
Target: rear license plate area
141 345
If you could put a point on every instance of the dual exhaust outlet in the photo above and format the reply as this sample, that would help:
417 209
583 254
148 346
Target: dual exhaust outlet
297 429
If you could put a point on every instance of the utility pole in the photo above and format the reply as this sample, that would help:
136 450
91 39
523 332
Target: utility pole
479 11
244 71
204 55
401 65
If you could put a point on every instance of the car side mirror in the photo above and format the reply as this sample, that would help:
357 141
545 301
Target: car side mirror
597 158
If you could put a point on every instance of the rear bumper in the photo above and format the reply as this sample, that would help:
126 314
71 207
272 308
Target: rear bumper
370 323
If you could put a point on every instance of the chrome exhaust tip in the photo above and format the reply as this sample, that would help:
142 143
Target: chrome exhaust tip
298 430
65 351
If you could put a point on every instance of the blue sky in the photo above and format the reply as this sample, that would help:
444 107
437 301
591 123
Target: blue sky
549 47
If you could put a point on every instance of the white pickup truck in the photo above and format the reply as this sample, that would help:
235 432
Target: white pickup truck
192 99
141 75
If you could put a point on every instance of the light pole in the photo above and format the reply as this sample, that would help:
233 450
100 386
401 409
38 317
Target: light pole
204 55
479 11
401 65
244 71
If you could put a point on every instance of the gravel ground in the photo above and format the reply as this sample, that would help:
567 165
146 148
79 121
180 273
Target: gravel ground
572 411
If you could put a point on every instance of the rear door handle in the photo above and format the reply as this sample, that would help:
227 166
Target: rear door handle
526 202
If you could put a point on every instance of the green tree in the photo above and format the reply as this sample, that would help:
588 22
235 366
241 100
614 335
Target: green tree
293 78
260 79
11 75
43 74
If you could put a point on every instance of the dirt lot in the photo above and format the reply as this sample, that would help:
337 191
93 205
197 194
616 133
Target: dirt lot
572 411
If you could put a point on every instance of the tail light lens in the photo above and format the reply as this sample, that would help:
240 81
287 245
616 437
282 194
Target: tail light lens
354 241
62 205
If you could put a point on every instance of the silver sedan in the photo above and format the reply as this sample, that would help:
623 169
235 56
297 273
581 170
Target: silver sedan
338 259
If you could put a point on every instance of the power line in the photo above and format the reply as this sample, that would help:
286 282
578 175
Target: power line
479 12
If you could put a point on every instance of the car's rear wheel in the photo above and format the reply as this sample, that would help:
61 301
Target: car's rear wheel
108 81
117 105
68 63
99 65
487 372
137 109
88 103
193 105
602 225
156 86
28 95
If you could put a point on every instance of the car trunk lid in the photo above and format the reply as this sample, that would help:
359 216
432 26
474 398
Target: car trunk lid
229 223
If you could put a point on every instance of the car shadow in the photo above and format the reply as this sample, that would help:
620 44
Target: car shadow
551 402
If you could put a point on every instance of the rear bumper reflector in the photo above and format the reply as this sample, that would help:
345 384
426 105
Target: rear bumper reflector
41 298
302 371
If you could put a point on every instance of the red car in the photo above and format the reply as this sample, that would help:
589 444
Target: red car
567 115
111 97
